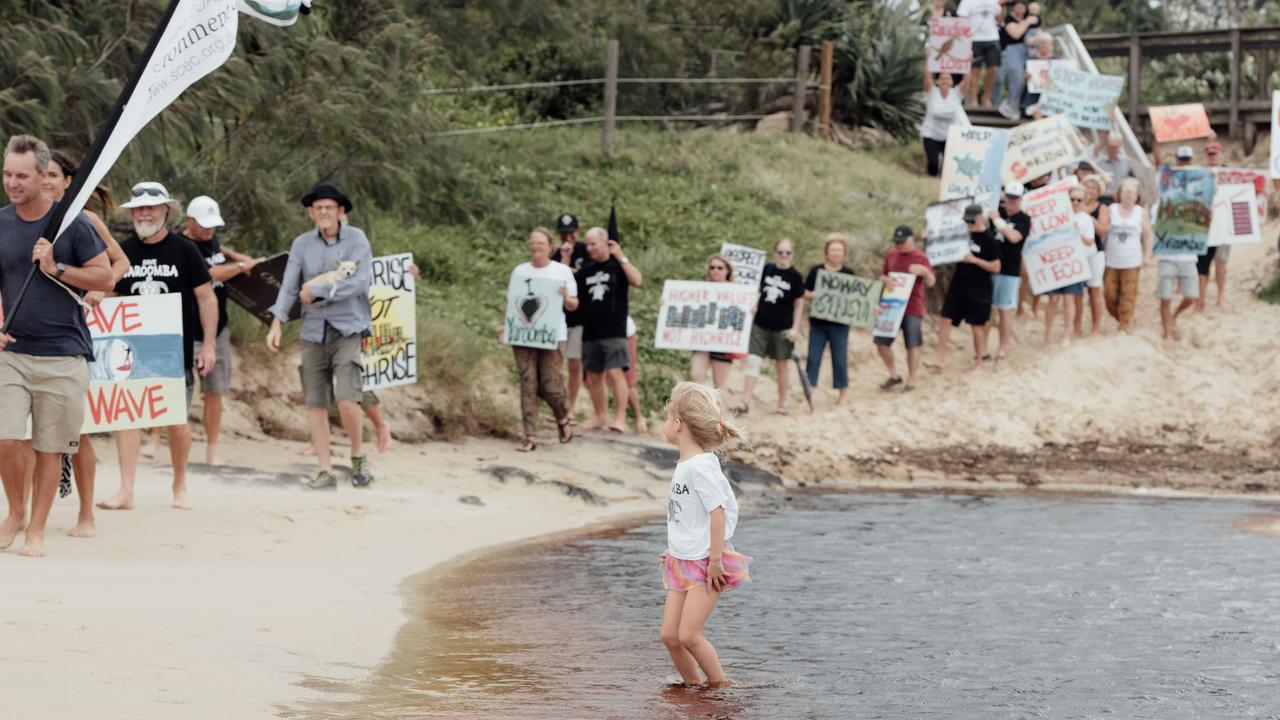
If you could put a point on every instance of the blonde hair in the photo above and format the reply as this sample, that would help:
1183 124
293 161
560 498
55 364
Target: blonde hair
701 409
545 233
778 243
1096 180
1130 182
836 239
723 259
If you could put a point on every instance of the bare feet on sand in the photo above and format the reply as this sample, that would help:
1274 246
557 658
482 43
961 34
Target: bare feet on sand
597 424
150 446
83 529
33 547
180 500
9 530
384 437
119 502
211 455
642 426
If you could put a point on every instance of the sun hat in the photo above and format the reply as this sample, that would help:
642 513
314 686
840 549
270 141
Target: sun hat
204 210
325 191
1185 152
151 194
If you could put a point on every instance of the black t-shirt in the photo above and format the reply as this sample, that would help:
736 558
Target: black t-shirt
811 283
212 253
984 246
573 318
1011 253
1005 40
172 265
602 299
779 291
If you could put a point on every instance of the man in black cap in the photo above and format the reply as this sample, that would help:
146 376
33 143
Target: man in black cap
969 297
573 254
330 270
905 257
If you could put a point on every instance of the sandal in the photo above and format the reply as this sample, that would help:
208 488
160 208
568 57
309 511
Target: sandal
528 445
565 428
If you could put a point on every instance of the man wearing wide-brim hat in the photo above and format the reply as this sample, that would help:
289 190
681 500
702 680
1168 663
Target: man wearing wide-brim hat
330 271
162 262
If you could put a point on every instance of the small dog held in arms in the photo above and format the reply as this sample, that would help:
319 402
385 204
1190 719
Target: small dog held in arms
345 269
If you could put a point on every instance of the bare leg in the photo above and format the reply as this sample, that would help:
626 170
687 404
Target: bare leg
1166 320
886 357
1220 279
619 382
318 424
575 383
13 472
913 364
212 426
349 411
940 354
1051 309
1006 324
979 344
1095 311
1204 284
84 465
599 402
699 362
685 663
128 445
48 467
749 387
179 453
720 374
380 427
784 379
698 606
633 400
1077 302
1069 319
152 445
989 86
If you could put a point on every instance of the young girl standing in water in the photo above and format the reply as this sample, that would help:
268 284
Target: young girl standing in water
701 515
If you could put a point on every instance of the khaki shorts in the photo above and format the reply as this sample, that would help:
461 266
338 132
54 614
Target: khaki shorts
573 348
218 382
334 363
49 390
1180 277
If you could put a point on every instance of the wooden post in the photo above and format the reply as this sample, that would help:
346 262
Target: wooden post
801 88
1264 72
1135 78
610 94
824 98
1234 128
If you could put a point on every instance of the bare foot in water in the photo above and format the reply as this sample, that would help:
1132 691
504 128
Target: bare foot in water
9 530
119 502
83 529
725 683
33 547
384 437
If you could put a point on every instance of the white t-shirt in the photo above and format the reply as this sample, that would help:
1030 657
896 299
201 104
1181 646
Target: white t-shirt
940 113
631 326
982 16
553 271
1084 226
698 486
1124 238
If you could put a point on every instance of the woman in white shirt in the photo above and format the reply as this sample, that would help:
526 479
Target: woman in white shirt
1128 249
1097 263
942 109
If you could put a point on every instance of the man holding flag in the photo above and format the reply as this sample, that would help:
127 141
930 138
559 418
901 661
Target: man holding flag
45 349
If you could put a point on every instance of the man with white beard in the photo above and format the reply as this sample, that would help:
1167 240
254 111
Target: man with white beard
161 263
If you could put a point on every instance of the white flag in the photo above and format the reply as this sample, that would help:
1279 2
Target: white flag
276 12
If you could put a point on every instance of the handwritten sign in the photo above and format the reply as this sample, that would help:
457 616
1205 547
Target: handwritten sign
1172 123
1245 176
1040 147
1235 216
845 299
950 45
1275 135
946 233
1055 259
1186 207
1050 206
748 263
705 316
535 313
390 353
257 291
893 304
973 164
136 379
1084 98
1039 74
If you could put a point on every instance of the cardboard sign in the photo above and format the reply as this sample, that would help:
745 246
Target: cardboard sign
1055 259
950 45
1245 176
748 263
257 291
1039 74
1050 206
535 313
845 299
1186 207
136 379
705 316
946 233
893 304
1172 123
1275 135
390 353
1040 147
1084 98
973 164
1235 216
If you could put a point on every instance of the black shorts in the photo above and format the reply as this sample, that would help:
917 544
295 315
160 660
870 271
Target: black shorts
964 304
1205 261
986 54
607 354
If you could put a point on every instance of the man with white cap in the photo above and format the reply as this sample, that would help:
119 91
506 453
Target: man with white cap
162 262
203 220
1012 226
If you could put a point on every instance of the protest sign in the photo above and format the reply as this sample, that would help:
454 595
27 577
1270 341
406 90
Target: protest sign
1055 259
845 299
1235 216
1245 176
257 291
1039 74
1086 99
893 304
137 378
705 316
1186 206
1172 123
535 313
946 233
747 262
950 45
1275 135
1041 147
1050 206
973 164
390 353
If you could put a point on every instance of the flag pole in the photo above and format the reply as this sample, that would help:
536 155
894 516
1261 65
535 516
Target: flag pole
91 158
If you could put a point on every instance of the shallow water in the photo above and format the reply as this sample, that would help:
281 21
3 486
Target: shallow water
870 606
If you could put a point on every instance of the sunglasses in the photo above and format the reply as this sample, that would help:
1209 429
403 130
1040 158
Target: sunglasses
140 191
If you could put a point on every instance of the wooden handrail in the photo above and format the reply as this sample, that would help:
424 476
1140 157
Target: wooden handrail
1166 43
